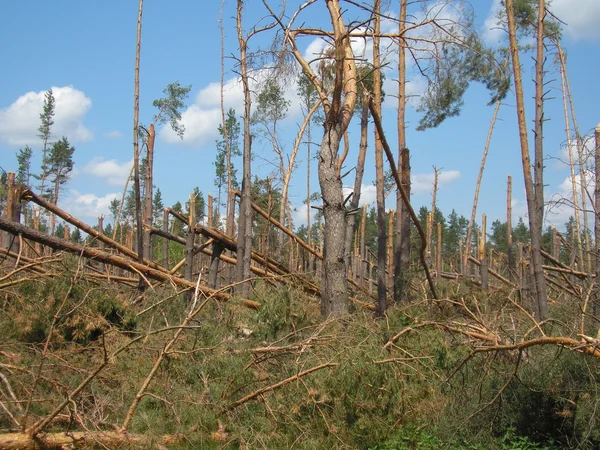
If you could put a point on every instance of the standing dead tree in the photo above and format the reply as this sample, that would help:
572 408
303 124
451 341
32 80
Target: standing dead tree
534 192
339 109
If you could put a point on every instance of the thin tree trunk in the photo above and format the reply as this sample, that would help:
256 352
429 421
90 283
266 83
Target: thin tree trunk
402 243
148 213
596 304
136 152
483 267
512 274
379 181
245 216
532 202
478 185
360 168
571 159
165 248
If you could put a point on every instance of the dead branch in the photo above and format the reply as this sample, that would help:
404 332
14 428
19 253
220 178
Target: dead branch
264 390
86 439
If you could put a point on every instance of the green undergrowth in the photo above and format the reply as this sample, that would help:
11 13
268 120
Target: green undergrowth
426 391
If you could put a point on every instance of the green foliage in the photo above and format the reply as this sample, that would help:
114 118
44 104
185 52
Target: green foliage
47 118
59 166
170 106
199 205
24 168
456 64
229 142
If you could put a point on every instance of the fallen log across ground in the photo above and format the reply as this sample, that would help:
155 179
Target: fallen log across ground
114 260
87 439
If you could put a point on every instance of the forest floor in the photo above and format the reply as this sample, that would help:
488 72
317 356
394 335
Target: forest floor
95 364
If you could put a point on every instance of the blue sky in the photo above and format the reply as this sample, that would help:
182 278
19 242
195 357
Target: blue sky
85 51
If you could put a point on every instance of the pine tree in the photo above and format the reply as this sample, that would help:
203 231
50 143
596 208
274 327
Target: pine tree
157 207
24 168
45 129
60 166
227 147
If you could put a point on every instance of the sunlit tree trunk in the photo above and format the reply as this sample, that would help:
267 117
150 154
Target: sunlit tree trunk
533 197
245 217
402 243
136 152
379 181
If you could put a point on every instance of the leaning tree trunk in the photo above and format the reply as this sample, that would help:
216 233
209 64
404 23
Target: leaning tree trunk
533 200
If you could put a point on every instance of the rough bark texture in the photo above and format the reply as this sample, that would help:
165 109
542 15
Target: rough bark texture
540 305
12 212
334 283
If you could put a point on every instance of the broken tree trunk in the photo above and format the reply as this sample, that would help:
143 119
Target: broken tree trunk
145 271
12 212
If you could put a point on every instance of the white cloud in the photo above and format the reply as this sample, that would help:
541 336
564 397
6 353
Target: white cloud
581 16
492 32
368 194
421 183
88 207
201 127
114 134
111 170
202 119
20 121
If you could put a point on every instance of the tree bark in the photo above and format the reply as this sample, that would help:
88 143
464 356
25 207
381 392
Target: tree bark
360 170
478 184
136 151
379 181
402 243
245 216
596 304
533 198
148 213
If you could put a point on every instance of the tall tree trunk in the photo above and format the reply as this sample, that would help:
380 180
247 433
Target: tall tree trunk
512 271
571 159
360 170
596 304
582 171
148 192
136 151
402 242
311 258
478 186
379 181
245 217
533 200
